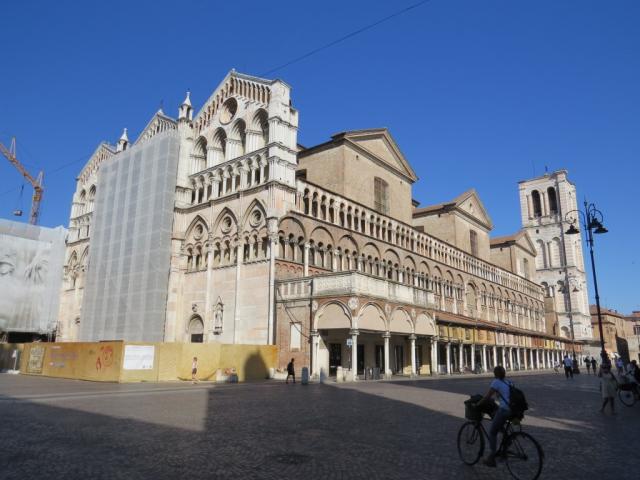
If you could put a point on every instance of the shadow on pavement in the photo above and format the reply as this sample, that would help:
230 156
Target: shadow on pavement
281 431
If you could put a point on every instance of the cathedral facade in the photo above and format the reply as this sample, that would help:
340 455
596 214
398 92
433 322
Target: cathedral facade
320 250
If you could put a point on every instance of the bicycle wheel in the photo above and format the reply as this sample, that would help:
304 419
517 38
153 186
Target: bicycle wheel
524 456
626 397
470 443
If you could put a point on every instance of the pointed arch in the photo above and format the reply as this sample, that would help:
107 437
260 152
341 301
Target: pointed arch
249 220
372 317
219 140
197 219
232 229
332 315
239 133
260 123
400 321
84 258
425 325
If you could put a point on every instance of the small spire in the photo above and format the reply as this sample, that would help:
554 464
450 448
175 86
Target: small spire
187 100
185 112
123 142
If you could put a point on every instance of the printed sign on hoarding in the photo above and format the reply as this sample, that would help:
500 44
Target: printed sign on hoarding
138 357
36 359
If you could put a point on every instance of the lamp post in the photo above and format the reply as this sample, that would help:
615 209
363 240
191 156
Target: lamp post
591 219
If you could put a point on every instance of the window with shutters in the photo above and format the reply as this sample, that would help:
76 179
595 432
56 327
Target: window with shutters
473 240
380 192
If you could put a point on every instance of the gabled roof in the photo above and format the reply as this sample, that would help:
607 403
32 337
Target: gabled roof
225 86
101 153
521 238
467 203
158 123
377 144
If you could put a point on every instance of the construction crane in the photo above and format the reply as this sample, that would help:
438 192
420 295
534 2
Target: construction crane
36 183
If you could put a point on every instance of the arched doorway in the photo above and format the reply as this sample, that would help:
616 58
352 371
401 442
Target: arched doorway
196 329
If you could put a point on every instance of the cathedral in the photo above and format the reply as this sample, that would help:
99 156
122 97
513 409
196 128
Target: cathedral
218 226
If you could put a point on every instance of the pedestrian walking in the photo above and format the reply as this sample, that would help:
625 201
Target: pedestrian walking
594 364
587 362
620 365
194 370
608 387
568 366
291 372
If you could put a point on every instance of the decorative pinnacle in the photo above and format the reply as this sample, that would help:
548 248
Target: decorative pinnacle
187 100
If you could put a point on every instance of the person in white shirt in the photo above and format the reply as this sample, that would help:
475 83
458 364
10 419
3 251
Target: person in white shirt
568 366
194 370
500 389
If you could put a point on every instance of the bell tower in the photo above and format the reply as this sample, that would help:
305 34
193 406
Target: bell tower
544 203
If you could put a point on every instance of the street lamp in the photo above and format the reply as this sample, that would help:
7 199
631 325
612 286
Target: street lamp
591 219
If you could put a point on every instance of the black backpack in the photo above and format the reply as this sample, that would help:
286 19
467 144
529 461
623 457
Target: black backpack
517 401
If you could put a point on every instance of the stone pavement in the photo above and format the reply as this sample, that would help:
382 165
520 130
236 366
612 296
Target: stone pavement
403 429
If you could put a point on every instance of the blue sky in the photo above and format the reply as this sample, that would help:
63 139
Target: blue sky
477 94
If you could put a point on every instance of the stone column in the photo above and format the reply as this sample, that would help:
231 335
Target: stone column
461 357
484 358
538 358
262 172
234 186
526 360
306 259
518 358
239 253
533 365
225 180
412 339
387 368
354 354
273 252
434 356
315 345
473 357
495 356
448 358
502 354
547 363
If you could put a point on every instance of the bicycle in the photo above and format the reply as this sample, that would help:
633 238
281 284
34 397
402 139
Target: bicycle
522 453
628 393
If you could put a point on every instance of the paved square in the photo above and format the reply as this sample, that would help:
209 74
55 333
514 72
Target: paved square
402 429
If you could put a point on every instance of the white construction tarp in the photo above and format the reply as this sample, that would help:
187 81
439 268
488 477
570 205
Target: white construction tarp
31 262
126 290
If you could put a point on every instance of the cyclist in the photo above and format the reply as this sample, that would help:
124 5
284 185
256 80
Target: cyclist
499 389
633 374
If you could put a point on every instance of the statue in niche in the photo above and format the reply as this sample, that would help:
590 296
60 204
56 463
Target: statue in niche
217 317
